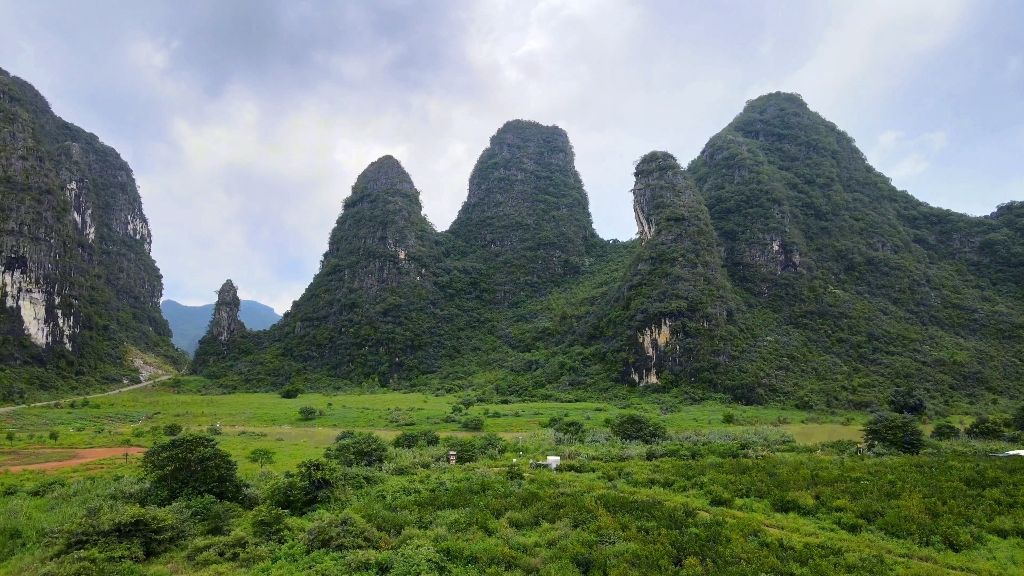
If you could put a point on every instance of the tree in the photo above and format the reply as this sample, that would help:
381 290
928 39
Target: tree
907 400
473 423
897 431
571 428
173 429
1017 419
357 449
291 391
54 435
11 436
633 427
985 428
191 465
307 413
945 431
261 456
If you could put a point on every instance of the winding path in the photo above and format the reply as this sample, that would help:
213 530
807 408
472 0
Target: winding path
119 390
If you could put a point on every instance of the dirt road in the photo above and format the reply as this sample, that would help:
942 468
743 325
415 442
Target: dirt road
81 457
119 390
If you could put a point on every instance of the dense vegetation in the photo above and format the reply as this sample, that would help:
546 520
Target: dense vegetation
749 501
777 267
79 292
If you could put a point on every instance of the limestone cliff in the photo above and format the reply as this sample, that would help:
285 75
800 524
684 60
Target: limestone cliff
672 306
74 252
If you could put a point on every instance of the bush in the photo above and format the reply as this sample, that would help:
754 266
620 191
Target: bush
897 431
357 449
172 429
907 400
633 427
1017 419
291 391
268 523
346 531
214 430
419 439
571 428
473 423
190 465
307 413
945 431
985 428
123 533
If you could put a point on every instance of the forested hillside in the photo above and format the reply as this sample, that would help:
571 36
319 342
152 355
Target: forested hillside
80 292
779 266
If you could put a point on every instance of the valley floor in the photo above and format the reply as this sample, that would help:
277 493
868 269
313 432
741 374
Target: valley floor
733 490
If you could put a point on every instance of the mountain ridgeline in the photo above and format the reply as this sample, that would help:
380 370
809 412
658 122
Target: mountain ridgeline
79 291
778 266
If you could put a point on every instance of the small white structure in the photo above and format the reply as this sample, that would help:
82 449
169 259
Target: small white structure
551 462
1010 453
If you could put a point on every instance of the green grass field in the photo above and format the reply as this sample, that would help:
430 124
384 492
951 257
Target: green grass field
735 490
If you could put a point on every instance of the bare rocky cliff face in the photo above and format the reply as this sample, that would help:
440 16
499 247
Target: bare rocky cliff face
225 322
74 243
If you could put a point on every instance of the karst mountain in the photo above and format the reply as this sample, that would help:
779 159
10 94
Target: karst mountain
79 291
776 266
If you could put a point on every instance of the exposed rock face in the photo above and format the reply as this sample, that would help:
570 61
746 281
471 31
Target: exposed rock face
526 217
74 245
674 302
225 322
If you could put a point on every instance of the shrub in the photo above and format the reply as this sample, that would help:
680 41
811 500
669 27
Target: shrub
357 449
571 428
473 423
419 439
267 522
191 465
945 431
1017 419
214 430
307 413
633 427
897 431
907 400
985 428
290 392
123 533
172 429
346 531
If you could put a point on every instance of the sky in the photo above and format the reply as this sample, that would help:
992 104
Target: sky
246 122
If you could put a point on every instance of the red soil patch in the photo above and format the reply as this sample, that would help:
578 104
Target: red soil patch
81 457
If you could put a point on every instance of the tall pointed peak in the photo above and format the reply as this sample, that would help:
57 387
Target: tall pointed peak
225 322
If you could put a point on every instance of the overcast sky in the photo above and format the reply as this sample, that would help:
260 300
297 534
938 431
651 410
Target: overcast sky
247 122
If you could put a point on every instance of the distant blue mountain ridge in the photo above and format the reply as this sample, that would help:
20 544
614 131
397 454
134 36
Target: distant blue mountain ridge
189 323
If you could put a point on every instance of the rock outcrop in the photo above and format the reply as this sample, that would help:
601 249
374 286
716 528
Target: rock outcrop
225 322
673 304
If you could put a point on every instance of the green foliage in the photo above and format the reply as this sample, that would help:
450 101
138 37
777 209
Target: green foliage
357 449
11 437
126 532
307 413
291 391
1017 419
190 465
341 532
473 423
53 435
268 523
985 428
897 431
421 439
635 427
907 400
214 430
172 429
261 456
945 431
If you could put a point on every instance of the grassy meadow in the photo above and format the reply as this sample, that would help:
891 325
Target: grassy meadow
730 490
